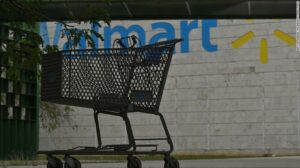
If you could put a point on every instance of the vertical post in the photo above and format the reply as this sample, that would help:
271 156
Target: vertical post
169 140
97 128
129 131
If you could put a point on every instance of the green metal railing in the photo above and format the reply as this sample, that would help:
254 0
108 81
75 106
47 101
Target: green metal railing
19 119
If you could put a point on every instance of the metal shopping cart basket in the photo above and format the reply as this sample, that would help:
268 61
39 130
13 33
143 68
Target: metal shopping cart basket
127 78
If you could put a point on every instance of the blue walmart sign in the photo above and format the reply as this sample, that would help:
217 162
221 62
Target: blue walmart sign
168 33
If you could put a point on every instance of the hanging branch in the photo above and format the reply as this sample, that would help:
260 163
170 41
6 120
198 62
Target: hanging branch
26 51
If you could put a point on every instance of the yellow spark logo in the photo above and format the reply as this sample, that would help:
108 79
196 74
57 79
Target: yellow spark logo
290 40
284 37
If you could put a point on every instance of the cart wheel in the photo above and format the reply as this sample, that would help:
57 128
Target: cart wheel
171 162
53 162
133 162
71 162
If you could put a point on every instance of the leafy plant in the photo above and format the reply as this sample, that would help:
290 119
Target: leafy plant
25 49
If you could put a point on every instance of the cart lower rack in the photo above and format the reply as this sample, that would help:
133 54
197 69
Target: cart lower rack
115 82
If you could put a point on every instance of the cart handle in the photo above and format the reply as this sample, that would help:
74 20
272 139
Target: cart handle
133 40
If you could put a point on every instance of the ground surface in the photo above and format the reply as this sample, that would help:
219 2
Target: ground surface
272 162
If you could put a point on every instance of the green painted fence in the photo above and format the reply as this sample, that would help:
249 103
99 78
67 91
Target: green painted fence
19 108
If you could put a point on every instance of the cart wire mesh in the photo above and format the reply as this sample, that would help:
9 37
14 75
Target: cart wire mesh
130 79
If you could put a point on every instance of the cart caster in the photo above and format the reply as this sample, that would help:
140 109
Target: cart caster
171 162
71 162
54 162
133 162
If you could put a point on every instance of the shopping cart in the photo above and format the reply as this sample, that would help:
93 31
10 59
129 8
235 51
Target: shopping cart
127 78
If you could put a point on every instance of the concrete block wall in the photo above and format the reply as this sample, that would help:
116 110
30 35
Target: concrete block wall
213 101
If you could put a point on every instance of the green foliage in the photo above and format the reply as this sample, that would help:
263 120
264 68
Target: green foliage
51 49
31 10
22 50
25 50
